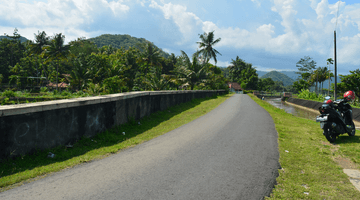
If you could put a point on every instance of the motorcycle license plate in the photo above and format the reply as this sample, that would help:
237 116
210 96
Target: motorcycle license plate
321 119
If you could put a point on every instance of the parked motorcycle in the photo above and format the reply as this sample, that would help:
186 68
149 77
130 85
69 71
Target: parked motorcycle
336 117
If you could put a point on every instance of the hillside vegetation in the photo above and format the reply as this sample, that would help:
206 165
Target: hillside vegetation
278 76
22 39
121 41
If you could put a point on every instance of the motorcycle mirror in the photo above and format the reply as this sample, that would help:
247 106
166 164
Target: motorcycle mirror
327 97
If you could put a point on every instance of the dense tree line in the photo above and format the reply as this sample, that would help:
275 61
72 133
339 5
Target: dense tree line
311 75
106 69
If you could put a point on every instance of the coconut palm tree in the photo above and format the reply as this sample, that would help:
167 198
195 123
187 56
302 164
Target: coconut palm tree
79 74
191 72
206 46
329 61
157 81
57 51
323 75
41 40
150 56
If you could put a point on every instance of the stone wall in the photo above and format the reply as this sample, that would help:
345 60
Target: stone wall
26 127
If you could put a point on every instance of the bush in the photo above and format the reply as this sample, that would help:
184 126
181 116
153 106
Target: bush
306 94
44 89
65 93
8 93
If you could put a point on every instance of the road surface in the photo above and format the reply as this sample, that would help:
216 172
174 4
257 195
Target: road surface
229 153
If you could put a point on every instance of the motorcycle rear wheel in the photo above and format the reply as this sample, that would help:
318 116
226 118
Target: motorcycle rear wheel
353 131
329 133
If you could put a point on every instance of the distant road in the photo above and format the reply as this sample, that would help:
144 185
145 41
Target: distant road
230 153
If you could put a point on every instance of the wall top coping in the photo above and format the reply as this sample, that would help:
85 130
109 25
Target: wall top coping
17 109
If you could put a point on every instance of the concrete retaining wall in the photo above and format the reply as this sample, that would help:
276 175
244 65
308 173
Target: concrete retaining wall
26 127
315 105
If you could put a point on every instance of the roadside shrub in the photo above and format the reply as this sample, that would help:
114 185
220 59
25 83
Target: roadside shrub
306 94
44 89
8 93
65 93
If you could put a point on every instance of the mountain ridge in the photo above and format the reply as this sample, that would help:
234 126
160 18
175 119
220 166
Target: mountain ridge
121 41
278 76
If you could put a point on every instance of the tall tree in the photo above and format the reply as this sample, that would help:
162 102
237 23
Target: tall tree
56 51
350 82
243 73
206 46
11 51
306 67
41 40
192 72
329 61
79 74
149 57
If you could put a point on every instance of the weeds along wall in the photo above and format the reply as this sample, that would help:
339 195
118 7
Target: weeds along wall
27 127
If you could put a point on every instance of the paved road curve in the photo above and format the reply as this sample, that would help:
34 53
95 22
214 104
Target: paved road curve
230 153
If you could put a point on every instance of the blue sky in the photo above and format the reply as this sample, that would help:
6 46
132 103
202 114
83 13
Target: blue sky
270 34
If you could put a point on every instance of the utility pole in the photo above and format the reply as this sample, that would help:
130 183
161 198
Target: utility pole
335 70
329 81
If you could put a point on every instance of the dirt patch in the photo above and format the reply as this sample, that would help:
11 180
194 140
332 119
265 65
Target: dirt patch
334 147
346 163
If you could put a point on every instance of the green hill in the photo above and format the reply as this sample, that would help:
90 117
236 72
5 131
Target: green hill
22 39
119 41
277 76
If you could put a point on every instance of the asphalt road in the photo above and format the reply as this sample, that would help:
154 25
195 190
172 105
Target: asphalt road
230 153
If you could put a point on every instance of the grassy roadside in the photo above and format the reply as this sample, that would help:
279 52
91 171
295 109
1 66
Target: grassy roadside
310 168
15 172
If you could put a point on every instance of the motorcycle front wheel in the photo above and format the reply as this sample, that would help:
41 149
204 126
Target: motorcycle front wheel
353 129
329 133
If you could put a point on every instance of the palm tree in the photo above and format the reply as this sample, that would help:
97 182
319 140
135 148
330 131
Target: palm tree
57 51
206 46
150 56
191 72
329 61
79 74
157 81
41 40
314 78
323 75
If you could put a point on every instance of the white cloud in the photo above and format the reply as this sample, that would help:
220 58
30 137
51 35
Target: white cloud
187 22
220 63
349 53
284 27
322 9
59 16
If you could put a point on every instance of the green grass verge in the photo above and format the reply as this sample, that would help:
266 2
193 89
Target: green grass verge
309 170
14 172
